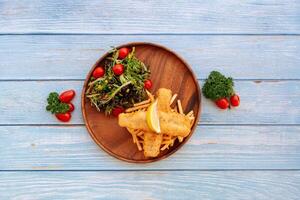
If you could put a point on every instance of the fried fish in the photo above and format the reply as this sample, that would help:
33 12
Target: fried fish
171 123
174 124
163 99
152 143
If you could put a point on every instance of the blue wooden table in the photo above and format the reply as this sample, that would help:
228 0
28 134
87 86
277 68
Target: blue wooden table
252 152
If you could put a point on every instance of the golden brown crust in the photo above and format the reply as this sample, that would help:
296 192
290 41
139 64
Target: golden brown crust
174 125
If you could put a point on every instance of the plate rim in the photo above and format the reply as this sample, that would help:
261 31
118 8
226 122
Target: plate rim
150 160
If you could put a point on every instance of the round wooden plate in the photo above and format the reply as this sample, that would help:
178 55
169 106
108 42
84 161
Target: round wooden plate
168 70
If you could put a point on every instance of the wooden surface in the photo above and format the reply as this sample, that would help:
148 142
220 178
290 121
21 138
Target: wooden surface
139 17
145 185
233 147
252 152
169 71
240 56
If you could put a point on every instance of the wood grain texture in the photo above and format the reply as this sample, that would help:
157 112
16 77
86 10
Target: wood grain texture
134 16
210 148
251 39
150 185
71 57
266 102
114 139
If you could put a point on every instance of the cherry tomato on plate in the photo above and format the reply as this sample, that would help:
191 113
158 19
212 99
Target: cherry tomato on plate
148 84
222 103
123 52
98 72
67 96
118 69
64 117
235 100
71 107
117 110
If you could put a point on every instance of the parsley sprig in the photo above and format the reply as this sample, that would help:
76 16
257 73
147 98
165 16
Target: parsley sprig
54 104
218 86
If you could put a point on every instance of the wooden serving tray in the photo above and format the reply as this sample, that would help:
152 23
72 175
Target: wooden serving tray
168 70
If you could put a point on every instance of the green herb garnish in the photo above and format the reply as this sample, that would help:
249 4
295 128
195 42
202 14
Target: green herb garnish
217 86
54 105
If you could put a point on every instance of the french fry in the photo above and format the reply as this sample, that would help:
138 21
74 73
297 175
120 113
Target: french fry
139 146
166 146
172 142
192 121
133 131
173 98
191 118
190 114
180 138
151 97
134 138
167 143
140 133
142 103
136 141
137 108
179 106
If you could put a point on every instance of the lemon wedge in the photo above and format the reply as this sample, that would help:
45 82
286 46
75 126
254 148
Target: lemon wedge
152 117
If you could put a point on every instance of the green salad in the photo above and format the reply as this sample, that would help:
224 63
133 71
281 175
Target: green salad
119 83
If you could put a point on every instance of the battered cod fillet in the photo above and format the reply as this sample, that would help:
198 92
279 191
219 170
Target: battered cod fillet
174 124
152 143
163 99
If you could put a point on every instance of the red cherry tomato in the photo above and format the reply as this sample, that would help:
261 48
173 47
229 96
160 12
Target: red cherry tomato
123 52
117 110
71 107
118 69
67 96
148 84
64 117
235 100
98 72
222 103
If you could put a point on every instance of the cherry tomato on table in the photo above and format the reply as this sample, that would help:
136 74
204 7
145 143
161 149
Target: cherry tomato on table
64 117
117 110
118 69
71 107
235 100
67 96
222 103
148 84
123 52
98 72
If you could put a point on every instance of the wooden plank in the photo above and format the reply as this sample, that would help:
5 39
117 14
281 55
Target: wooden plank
211 147
133 16
150 185
71 57
267 102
